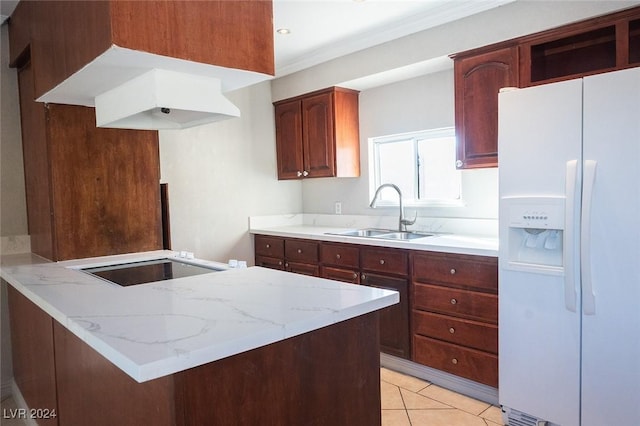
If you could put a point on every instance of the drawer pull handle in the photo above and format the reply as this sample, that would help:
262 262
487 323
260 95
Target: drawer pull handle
268 245
299 250
454 301
338 256
452 271
382 261
452 330
454 361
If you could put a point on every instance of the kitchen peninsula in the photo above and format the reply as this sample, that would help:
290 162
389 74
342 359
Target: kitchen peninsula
234 346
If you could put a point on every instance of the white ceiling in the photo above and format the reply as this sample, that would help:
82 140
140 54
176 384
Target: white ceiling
322 30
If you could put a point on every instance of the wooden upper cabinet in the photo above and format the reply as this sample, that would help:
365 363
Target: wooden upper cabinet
288 116
67 35
601 44
478 79
317 135
89 191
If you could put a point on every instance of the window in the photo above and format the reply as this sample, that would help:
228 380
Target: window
421 164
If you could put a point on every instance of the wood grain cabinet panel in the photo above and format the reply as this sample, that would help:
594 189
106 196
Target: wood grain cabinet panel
474 334
601 44
269 246
317 135
90 191
471 272
462 303
65 36
454 305
343 255
288 254
384 260
459 360
33 354
478 79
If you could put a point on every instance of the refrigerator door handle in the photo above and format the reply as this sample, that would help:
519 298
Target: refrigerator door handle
589 298
571 191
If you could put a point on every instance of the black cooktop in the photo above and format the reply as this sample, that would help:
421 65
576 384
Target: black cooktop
126 274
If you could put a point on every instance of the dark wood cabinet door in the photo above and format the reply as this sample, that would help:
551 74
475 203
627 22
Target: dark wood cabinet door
394 320
303 268
288 117
350 276
478 79
318 145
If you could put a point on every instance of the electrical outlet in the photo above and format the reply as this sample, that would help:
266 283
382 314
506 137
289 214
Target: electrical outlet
338 207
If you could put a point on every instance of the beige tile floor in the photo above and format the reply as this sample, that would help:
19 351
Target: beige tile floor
406 401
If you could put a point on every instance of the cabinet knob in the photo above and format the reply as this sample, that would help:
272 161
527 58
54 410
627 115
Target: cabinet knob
299 173
454 301
454 361
452 330
280 263
286 265
452 271
268 245
299 250
382 261
355 275
459 163
363 277
338 256
305 173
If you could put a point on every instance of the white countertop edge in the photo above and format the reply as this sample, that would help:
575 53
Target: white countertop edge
213 352
445 243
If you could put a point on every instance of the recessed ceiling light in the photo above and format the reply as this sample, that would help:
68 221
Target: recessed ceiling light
283 31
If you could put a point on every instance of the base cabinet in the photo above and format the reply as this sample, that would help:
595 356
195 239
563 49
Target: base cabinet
293 255
289 382
447 317
454 309
32 350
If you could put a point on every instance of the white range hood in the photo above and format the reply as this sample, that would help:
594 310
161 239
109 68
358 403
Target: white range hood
161 99
139 90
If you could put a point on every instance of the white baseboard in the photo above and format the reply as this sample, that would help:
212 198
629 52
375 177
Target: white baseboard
466 387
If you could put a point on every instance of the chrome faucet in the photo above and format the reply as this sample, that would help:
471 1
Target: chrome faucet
402 222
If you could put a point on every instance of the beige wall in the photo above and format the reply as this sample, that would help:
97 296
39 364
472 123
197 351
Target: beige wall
222 173
13 210
420 103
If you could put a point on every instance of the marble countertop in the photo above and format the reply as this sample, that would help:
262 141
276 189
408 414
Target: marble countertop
445 242
156 329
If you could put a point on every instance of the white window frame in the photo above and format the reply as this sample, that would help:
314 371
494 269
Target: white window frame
408 199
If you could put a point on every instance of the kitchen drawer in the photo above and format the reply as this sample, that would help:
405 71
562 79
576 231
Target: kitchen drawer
301 251
270 262
472 364
341 255
478 272
460 331
338 274
269 246
461 303
383 260
303 268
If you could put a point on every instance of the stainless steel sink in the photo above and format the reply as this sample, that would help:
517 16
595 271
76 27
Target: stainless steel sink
364 232
403 235
384 234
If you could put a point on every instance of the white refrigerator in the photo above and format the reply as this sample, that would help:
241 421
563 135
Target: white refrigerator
569 257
